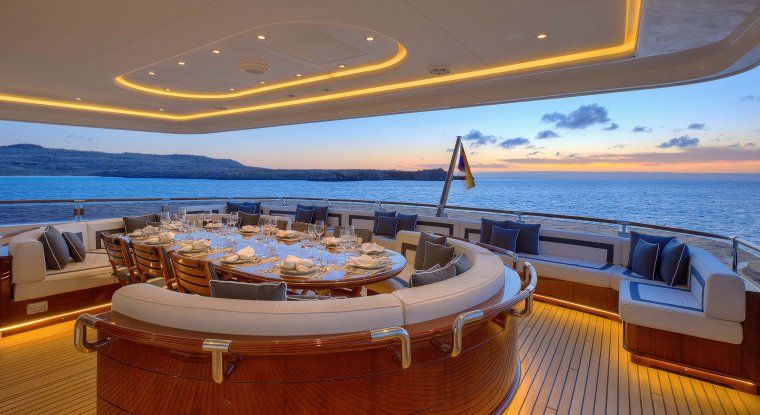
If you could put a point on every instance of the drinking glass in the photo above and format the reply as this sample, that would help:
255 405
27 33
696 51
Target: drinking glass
234 219
321 228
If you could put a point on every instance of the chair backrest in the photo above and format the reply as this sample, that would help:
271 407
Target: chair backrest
120 258
151 261
364 235
300 226
192 274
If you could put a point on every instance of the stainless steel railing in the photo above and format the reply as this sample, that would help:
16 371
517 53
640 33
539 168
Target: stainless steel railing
736 243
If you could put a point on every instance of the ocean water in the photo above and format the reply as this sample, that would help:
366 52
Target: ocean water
726 204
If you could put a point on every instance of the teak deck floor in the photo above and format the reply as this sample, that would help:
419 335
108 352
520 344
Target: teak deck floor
572 362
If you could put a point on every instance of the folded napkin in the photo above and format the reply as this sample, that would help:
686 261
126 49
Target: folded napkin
212 225
372 248
288 234
330 241
153 240
292 262
231 258
246 253
366 261
250 228
137 233
195 245
166 236
149 230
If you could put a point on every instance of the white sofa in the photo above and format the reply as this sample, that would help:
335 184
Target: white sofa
32 280
483 280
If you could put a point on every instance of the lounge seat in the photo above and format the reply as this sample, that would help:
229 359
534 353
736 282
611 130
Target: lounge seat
712 307
599 274
624 274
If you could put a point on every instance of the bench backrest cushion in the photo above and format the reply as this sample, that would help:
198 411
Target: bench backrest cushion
156 305
483 280
715 286
28 257
589 247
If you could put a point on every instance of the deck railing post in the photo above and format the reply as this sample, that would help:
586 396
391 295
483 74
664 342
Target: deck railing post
78 210
734 254
519 216
623 228
164 205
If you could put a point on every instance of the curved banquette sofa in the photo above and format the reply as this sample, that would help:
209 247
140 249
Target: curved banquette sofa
446 347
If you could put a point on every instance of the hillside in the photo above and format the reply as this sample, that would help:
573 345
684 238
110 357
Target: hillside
34 160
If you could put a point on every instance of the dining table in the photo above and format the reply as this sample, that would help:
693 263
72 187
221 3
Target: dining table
332 273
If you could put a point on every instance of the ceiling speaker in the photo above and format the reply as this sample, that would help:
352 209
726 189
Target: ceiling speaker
439 70
255 68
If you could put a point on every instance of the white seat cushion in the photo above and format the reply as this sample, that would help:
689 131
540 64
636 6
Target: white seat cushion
392 284
94 263
675 310
62 283
570 269
625 274
390 243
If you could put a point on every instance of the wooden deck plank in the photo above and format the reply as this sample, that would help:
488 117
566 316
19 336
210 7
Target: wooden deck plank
573 363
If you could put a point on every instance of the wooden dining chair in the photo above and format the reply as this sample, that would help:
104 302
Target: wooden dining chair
300 226
192 274
152 265
120 258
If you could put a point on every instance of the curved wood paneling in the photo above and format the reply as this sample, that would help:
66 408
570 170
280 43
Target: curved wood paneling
142 379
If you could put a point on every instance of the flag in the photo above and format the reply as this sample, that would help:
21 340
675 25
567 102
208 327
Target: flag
464 167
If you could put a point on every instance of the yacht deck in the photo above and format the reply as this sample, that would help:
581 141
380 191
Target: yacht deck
572 362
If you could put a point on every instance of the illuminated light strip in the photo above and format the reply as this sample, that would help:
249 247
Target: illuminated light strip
581 307
634 8
50 318
397 58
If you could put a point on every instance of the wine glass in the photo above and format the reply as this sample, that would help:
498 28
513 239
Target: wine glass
234 219
321 228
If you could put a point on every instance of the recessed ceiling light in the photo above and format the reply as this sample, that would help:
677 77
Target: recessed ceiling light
261 37
151 73
369 38
167 89
232 89
78 98
262 82
181 63
161 109
542 36
342 65
298 75
216 51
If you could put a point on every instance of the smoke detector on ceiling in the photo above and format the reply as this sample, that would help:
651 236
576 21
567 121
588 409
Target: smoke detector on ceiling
438 70
255 68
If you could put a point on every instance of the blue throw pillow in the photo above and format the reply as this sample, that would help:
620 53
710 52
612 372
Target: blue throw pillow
304 215
386 226
379 213
661 241
232 207
320 213
406 222
528 239
504 238
645 258
674 263
486 225
252 208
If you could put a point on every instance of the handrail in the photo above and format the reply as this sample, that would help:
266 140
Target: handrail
735 241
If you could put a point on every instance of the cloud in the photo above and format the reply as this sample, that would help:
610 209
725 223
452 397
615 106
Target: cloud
688 155
611 127
80 137
735 145
617 146
641 129
514 142
751 98
749 145
533 153
542 135
683 141
450 150
572 155
557 154
476 138
696 126
584 116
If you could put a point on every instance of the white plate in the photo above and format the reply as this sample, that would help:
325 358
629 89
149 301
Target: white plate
238 261
296 272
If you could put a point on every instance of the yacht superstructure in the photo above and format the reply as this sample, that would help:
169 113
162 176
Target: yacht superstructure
300 305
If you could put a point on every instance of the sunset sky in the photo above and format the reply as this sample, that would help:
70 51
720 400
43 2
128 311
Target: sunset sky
709 127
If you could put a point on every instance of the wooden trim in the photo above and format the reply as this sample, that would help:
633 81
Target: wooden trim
573 292
335 215
706 359
577 306
14 313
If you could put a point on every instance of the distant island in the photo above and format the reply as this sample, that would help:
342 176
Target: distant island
35 160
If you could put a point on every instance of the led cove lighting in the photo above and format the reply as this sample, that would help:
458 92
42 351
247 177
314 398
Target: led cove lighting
53 317
616 51
398 57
